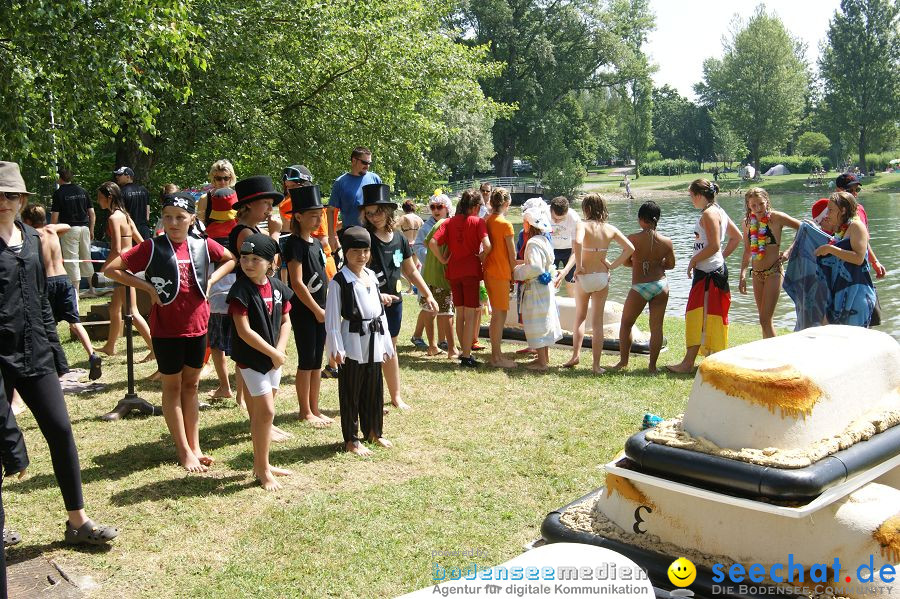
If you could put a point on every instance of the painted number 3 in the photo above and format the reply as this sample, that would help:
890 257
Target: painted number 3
638 520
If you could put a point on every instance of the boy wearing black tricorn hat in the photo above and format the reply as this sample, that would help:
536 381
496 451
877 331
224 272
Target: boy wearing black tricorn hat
357 338
306 264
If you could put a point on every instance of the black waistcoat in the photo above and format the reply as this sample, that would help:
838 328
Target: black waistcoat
163 273
266 325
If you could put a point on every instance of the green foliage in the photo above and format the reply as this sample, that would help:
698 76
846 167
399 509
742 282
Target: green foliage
669 167
549 50
637 129
727 144
859 66
759 85
813 143
795 164
672 116
566 147
880 161
653 156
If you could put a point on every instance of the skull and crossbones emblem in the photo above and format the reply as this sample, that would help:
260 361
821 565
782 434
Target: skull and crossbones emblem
160 285
180 203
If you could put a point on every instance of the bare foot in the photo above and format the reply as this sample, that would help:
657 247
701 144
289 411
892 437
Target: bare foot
268 482
276 471
312 420
598 369
109 351
400 404
679 368
432 351
220 393
150 357
619 366
279 435
453 355
526 350
357 448
206 460
325 419
382 442
192 464
503 363
536 366
571 363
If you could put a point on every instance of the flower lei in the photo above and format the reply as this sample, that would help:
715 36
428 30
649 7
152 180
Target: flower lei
841 232
758 231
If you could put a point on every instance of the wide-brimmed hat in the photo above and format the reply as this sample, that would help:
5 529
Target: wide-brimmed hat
298 173
255 188
11 180
535 217
308 197
377 194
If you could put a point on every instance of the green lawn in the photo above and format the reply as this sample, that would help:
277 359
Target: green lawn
479 460
599 180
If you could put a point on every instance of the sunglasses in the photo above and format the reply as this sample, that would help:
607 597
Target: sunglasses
12 197
366 162
224 179
371 213
436 206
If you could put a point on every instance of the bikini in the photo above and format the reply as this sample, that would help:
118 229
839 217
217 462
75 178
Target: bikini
653 288
775 269
595 281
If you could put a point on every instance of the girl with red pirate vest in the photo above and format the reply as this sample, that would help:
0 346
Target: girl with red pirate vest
259 305
307 272
178 276
358 338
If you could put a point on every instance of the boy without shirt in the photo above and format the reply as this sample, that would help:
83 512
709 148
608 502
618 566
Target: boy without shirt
63 299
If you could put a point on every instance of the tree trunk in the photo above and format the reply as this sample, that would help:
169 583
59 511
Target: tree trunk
504 164
129 154
863 142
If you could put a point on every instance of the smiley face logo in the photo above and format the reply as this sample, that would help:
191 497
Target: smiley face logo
682 572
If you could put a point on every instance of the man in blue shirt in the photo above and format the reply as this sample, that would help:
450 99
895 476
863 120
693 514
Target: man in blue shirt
346 193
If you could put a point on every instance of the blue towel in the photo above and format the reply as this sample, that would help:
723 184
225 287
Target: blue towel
827 288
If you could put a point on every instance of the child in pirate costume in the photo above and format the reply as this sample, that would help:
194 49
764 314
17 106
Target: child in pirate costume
357 338
178 276
307 273
258 304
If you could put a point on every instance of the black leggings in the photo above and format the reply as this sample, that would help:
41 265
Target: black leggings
44 397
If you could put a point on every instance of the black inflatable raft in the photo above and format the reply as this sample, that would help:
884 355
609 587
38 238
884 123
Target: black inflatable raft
517 334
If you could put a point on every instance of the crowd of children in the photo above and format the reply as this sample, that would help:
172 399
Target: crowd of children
352 315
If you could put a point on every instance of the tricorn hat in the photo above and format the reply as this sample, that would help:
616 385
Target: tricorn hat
255 188
377 194
308 197
11 180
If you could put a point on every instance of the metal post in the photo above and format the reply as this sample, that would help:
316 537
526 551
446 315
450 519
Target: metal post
131 401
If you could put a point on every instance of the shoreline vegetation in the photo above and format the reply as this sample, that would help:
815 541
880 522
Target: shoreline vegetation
478 462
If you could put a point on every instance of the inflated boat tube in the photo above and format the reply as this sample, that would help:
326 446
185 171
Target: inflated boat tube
655 564
745 479
517 334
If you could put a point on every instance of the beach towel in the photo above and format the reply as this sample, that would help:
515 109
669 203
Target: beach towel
706 315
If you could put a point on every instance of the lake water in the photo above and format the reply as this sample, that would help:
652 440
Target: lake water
677 222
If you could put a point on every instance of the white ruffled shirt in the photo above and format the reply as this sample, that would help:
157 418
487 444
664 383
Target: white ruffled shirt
339 339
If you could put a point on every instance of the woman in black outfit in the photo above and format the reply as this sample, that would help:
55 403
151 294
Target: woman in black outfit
27 329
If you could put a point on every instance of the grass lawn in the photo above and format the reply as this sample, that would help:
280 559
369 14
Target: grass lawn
600 181
478 461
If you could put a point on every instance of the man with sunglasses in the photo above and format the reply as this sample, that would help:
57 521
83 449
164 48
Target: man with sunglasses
346 193
136 199
850 183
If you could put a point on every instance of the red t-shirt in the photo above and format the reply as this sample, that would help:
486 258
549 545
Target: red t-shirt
188 314
462 235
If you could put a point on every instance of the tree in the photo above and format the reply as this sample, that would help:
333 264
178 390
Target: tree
637 100
565 147
548 50
670 121
813 143
467 146
727 145
859 65
759 84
